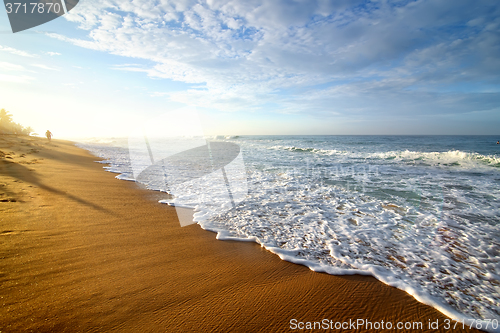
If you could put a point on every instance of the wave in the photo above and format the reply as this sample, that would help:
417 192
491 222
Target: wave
308 150
447 158
223 137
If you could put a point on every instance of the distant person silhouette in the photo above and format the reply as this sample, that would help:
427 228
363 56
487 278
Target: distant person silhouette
498 142
48 134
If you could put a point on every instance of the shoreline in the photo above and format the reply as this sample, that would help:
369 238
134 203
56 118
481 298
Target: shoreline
83 251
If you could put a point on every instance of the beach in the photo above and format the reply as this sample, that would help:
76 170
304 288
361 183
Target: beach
83 251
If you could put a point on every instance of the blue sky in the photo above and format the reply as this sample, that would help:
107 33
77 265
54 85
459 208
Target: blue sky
259 67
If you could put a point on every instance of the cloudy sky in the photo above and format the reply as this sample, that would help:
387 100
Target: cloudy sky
259 67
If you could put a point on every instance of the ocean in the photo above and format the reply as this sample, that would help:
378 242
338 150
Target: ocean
420 213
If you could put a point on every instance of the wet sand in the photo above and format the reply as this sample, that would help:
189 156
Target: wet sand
84 252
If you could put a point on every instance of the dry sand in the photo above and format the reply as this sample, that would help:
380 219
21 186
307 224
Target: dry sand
82 251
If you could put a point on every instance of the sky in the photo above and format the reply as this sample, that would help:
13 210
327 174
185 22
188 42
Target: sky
258 67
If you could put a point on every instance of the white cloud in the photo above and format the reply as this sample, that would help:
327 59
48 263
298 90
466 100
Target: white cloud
7 66
53 53
250 53
131 68
17 52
